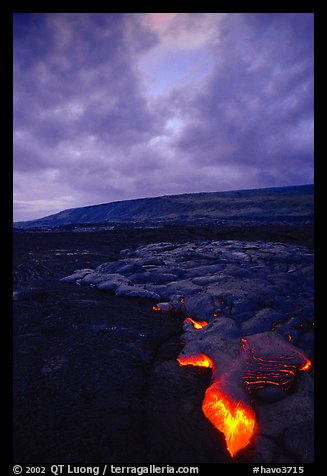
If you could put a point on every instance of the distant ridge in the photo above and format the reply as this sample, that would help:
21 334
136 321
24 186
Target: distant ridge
277 204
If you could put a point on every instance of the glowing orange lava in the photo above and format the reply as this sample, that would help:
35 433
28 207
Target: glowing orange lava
233 418
306 366
196 324
199 360
278 371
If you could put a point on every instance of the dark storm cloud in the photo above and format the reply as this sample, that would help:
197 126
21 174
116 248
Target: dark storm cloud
81 82
118 106
257 109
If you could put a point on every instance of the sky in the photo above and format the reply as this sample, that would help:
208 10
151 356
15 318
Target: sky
117 106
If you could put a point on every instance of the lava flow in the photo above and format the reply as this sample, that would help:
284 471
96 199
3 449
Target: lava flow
196 324
198 360
279 371
256 361
234 419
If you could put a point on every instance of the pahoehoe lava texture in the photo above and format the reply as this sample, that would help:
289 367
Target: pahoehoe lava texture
95 372
265 290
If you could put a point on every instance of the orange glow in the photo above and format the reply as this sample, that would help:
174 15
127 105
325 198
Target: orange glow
156 308
278 371
199 360
233 418
306 366
196 324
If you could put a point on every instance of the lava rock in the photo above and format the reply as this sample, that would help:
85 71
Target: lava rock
199 306
78 274
307 344
299 441
130 268
270 393
262 321
138 291
111 282
54 323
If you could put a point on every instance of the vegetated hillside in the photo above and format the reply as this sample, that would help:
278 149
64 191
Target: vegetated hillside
279 204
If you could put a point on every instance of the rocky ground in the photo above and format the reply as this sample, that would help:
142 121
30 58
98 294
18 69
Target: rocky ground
95 368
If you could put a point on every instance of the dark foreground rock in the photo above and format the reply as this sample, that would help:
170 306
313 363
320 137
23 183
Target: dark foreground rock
104 386
95 373
88 383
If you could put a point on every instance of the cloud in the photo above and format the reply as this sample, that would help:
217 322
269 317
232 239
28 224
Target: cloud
118 106
182 55
85 85
184 30
257 107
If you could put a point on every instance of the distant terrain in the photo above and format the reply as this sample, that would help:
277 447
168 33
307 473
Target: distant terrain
269 205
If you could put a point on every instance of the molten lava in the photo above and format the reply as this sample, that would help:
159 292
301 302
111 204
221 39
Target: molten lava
275 371
233 418
196 324
306 366
199 360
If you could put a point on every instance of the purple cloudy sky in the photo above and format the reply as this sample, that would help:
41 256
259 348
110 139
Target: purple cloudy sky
117 106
